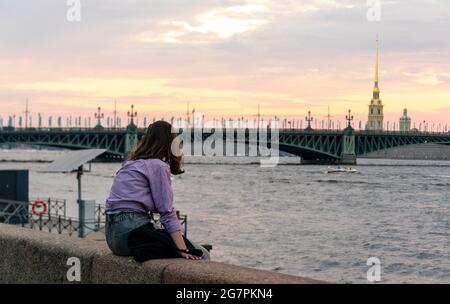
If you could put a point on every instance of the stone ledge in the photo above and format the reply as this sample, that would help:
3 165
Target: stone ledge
28 256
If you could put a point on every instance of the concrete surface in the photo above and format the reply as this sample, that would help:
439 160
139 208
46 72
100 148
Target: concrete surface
29 256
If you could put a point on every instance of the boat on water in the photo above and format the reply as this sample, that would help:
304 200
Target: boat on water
341 170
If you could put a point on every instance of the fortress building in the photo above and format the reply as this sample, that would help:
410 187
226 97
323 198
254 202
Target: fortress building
376 115
405 122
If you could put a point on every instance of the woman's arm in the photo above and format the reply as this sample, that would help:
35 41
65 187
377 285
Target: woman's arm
162 193
177 237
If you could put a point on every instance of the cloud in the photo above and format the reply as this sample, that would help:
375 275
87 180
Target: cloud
429 78
209 26
142 88
225 22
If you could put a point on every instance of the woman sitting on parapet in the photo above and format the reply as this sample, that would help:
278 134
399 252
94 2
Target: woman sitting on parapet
142 186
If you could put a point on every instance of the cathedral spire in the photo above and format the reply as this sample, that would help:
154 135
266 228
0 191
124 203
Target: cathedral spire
376 116
376 67
376 89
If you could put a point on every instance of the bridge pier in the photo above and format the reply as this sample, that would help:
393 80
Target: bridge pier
131 139
349 148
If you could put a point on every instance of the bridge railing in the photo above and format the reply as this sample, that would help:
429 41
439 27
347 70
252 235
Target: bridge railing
74 130
141 130
412 133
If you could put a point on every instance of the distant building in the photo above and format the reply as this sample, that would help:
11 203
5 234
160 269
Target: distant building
376 115
405 122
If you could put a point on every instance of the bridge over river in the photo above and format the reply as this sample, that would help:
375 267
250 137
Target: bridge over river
313 146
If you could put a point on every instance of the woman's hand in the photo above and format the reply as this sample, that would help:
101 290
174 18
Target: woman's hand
177 237
190 256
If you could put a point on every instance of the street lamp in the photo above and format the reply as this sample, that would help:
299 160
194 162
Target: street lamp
132 114
349 119
99 116
309 119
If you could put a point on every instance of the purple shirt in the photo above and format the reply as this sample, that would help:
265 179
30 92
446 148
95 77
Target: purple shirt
144 185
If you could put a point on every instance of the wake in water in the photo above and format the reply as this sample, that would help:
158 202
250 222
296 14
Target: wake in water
335 181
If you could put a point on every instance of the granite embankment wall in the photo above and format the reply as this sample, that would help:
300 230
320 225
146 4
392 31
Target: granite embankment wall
416 152
29 256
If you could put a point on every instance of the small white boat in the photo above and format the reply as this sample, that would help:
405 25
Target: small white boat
341 170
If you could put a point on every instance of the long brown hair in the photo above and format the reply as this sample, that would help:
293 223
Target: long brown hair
157 143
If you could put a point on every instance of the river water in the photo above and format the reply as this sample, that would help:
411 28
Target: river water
296 219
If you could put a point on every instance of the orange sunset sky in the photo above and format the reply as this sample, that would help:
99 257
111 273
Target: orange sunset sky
225 57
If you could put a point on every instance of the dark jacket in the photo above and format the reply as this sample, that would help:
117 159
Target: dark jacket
147 243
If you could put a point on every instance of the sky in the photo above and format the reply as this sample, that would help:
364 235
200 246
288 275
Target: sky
225 57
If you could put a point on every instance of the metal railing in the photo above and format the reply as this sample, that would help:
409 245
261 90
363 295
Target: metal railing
55 219
319 129
55 206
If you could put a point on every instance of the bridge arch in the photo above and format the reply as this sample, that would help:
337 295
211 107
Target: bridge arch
368 142
307 153
113 142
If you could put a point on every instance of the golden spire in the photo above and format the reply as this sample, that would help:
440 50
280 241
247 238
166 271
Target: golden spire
376 67
376 89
